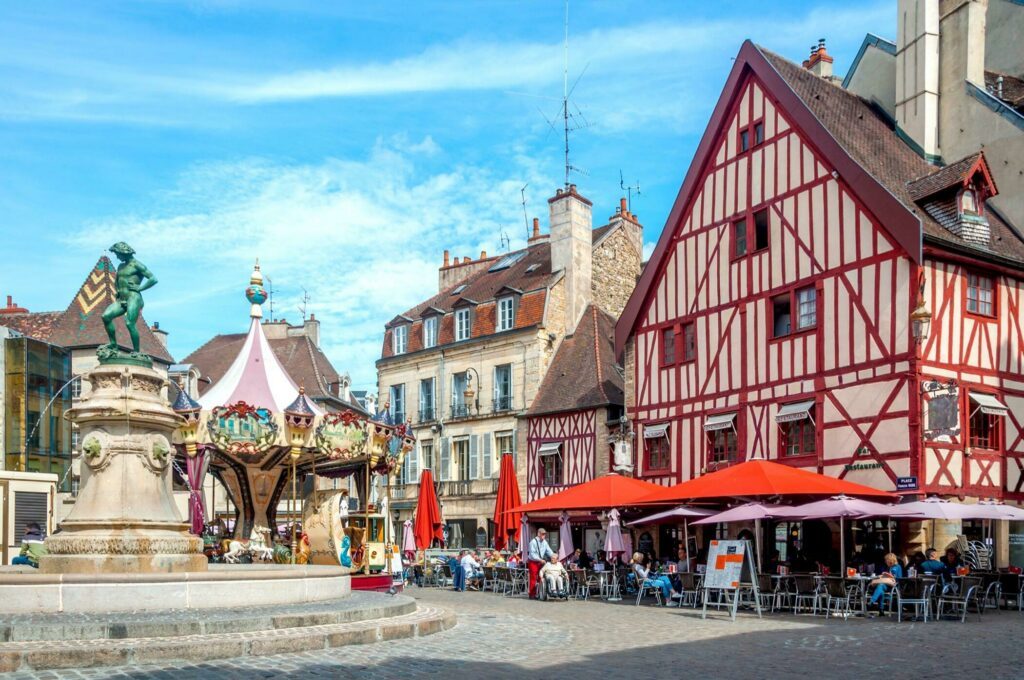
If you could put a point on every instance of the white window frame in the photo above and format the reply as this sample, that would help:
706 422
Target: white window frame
463 324
400 340
430 332
511 390
506 313
400 391
433 398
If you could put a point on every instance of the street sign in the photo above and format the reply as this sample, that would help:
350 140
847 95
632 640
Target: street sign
906 483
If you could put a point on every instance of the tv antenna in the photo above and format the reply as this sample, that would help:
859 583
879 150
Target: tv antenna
629 189
270 295
526 220
305 304
572 118
504 243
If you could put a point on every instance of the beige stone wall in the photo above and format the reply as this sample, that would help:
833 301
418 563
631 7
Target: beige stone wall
629 367
616 267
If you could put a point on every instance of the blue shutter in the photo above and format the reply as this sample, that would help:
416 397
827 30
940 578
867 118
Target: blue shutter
474 457
488 457
446 455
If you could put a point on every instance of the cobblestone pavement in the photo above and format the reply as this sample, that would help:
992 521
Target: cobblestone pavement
497 637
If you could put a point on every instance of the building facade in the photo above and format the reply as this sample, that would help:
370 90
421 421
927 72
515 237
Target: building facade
824 296
464 366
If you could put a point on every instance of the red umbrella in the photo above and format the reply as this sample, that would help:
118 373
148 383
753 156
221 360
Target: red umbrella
761 478
603 493
506 522
428 525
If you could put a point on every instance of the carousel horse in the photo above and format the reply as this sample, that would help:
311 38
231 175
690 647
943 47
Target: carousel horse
256 547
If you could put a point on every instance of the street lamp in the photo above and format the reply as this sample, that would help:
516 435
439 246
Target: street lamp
922 320
469 394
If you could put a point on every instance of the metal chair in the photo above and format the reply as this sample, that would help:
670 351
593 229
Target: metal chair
806 589
645 587
991 591
913 593
767 590
489 579
1011 591
689 590
962 600
837 598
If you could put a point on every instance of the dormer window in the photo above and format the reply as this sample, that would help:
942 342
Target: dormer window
463 326
430 331
969 204
399 339
506 313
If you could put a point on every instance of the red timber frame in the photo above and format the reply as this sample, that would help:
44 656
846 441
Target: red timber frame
857 363
577 432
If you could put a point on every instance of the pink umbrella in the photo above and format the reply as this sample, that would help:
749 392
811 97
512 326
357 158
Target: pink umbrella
746 513
614 547
671 516
565 547
408 538
524 537
940 508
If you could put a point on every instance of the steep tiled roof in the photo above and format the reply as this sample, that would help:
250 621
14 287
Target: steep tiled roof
36 325
1012 91
81 324
306 363
943 178
868 137
583 374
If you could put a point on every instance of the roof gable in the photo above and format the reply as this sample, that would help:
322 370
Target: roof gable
901 223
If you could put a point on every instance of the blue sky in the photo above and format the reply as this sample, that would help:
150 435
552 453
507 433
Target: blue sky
345 144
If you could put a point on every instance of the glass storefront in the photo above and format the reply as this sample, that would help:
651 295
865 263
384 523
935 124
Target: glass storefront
37 437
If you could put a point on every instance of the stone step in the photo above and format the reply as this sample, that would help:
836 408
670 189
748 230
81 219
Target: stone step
48 655
127 625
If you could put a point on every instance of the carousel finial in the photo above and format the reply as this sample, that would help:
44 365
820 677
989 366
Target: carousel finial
255 293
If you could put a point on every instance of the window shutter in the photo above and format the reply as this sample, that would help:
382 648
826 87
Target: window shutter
488 457
446 455
413 460
474 457
29 506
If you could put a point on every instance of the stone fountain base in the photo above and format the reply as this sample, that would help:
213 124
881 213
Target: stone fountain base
138 548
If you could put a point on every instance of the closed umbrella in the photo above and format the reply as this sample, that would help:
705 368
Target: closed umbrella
408 539
524 538
428 526
565 547
614 547
507 520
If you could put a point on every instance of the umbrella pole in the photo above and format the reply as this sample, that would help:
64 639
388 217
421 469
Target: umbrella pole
842 547
686 541
888 528
757 542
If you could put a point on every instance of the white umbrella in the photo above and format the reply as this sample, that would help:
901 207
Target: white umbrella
565 547
613 547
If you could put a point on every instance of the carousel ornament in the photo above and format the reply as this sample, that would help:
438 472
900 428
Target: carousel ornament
190 410
299 418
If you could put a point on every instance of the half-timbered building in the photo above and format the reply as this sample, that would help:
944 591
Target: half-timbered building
823 296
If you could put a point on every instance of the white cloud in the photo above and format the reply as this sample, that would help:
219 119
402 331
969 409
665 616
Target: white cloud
363 237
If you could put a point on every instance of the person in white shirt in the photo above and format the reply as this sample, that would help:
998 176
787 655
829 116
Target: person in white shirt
471 570
556 578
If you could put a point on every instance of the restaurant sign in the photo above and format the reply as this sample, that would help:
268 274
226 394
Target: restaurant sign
906 483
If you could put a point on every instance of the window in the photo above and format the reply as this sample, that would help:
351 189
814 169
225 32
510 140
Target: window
739 238
503 387
399 339
985 421
744 140
722 442
781 316
462 458
462 326
76 387
761 229
657 448
506 314
427 460
969 202
430 331
752 135
758 133
398 403
507 261
549 463
980 294
74 440
427 400
806 308
503 443
668 346
796 428
689 342
459 383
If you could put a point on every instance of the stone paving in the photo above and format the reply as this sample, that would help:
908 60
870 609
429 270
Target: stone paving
498 637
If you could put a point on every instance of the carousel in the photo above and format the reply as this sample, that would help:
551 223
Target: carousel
260 436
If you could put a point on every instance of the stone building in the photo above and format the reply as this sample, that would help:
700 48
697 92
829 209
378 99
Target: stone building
953 82
465 365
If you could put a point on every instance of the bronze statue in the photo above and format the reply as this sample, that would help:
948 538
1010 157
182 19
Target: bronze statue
132 278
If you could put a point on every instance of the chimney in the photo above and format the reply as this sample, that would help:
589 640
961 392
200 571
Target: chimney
820 61
311 328
456 264
571 249
446 263
160 333
536 235
483 254
12 308
917 75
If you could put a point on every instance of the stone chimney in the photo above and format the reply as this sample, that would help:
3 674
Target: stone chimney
820 61
160 333
536 236
917 75
311 328
460 269
571 249
12 308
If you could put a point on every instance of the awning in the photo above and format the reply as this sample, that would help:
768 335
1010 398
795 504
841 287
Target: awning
722 421
550 449
655 431
989 404
798 411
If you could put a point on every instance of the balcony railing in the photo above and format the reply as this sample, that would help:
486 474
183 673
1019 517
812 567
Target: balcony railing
427 414
468 487
503 403
460 410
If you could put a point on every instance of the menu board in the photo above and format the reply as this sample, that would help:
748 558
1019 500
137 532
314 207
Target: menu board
725 565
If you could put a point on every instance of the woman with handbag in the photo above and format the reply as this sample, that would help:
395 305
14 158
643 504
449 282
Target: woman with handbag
885 581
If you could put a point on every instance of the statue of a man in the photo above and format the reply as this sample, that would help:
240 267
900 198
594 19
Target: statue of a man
132 279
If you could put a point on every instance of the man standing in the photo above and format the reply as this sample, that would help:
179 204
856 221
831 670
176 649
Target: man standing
32 547
538 555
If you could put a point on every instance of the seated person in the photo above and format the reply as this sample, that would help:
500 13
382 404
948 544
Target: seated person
646 578
513 559
952 561
585 561
32 547
602 563
887 580
494 559
556 578
932 565
471 570
574 559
